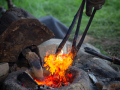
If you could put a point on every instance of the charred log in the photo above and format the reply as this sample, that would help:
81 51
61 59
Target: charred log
34 62
93 52
79 81
26 80
22 61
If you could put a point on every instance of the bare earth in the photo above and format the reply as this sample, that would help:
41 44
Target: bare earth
112 47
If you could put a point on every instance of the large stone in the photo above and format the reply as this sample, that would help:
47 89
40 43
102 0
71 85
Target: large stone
50 46
47 50
12 15
4 69
21 34
11 82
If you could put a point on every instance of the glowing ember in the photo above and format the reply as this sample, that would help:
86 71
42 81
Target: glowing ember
57 65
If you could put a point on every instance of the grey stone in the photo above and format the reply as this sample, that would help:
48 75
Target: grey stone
4 69
50 46
11 82
46 50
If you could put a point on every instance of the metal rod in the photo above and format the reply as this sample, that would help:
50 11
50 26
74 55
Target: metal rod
86 30
78 25
93 52
69 31
75 49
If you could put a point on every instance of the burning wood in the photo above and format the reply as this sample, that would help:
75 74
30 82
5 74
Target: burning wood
55 74
52 81
26 80
57 67
34 62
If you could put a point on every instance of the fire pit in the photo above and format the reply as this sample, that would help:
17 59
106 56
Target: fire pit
61 75
78 81
55 71
69 78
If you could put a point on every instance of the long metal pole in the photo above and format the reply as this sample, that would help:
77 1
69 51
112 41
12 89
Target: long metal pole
69 30
86 30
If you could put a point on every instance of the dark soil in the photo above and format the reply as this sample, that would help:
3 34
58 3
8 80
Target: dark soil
110 46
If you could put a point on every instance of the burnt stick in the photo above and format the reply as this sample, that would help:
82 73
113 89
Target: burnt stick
93 52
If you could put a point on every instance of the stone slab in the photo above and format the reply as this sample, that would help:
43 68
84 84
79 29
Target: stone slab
50 47
4 69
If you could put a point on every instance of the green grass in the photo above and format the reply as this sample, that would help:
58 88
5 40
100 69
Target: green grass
106 23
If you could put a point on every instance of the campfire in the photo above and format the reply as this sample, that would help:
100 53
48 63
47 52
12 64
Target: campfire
55 70
19 43
57 66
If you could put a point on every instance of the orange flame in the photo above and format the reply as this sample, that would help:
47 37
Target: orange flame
57 65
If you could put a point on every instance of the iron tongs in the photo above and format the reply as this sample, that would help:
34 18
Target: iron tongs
75 48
